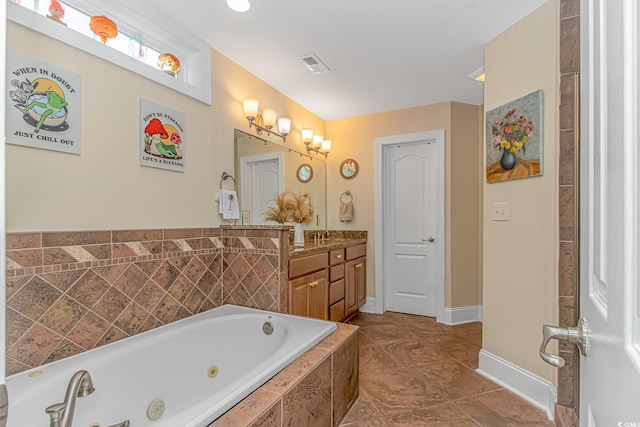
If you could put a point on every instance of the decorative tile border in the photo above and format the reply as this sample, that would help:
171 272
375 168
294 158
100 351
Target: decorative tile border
69 292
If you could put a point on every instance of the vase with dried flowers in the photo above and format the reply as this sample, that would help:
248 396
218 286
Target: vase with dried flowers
291 207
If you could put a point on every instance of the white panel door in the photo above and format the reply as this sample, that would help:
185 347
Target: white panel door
609 215
261 178
409 208
265 186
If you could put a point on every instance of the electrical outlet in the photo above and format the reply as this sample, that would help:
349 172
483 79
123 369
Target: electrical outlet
501 211
246 217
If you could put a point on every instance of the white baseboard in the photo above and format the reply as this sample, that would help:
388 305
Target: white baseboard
530 387
369 306
460 315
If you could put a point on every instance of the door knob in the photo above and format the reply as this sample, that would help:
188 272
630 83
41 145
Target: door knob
578 335
430 240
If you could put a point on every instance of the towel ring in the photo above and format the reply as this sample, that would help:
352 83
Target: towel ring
307 196
347 193
224 177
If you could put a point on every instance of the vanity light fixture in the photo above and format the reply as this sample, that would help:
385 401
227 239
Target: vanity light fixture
266 120
315 143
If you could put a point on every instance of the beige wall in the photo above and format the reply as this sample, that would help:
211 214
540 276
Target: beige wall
520 256
466 165
355 137
105 187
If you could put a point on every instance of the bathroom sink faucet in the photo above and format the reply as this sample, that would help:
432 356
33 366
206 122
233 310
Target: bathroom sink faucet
61 414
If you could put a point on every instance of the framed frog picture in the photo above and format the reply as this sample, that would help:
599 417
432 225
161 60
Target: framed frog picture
42 104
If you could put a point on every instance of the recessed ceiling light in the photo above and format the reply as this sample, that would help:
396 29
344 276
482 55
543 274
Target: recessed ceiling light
478 75
239 5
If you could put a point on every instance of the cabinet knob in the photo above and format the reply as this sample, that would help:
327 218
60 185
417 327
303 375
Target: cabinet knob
313 284
339 256
359 265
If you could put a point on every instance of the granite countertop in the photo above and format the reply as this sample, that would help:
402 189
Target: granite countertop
311 247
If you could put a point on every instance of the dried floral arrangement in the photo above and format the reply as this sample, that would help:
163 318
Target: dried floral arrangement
289 207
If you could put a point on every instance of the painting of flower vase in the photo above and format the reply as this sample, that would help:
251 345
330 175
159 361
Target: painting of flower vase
514 139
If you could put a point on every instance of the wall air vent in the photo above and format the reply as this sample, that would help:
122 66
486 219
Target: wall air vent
314 64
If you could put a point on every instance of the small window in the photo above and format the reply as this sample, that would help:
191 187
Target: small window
139 40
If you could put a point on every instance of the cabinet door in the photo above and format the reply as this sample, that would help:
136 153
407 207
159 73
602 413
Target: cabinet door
350 287
309 295
361 280
298 295
319 295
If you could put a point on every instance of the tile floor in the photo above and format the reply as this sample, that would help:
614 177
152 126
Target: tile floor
416 372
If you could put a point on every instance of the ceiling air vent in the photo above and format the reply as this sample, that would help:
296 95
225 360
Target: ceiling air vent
314 64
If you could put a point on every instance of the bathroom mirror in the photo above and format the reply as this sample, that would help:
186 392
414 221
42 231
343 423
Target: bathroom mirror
304 172
349 169
264 169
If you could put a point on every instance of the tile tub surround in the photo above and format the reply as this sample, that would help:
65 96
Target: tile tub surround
69 292
317 389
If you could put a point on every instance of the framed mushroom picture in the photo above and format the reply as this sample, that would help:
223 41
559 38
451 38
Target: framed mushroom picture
161 137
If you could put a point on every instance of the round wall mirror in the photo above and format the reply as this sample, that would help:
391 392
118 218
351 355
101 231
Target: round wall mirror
349 169
305 172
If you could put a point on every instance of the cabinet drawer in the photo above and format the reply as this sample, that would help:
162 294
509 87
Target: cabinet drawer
336 311
336 291
354 252
336 256
307 264
336 272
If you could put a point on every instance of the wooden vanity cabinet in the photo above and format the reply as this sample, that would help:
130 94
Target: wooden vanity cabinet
309 293
336 285
355 279
329 285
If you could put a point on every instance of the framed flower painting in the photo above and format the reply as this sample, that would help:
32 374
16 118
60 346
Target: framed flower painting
514 139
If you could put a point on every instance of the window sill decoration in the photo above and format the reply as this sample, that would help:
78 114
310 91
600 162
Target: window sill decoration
134 18
103 27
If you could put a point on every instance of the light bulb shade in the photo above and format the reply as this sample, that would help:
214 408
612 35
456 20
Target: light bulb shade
239 5
269 117
250 108
307 135
284 125
326 145
317 141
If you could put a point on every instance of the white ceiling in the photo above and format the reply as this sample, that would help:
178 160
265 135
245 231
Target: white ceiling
383 55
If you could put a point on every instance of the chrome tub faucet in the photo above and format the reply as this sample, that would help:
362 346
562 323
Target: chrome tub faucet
61 414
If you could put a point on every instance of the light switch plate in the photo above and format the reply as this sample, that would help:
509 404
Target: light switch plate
501 211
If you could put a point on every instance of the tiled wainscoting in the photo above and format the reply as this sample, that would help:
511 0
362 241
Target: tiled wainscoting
69 292
317 389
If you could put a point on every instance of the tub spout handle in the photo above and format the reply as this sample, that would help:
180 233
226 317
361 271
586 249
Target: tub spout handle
55 414
122 424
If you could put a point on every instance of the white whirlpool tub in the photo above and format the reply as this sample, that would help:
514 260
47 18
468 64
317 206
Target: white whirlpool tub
198 367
